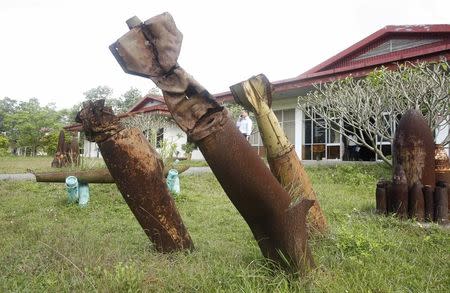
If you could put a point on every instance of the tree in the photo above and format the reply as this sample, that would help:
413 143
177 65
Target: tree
7 106
127 100
99 92
149 124
30 124
369 108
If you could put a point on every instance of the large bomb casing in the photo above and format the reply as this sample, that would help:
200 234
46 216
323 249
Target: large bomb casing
137 171
151 49
414 149
255 95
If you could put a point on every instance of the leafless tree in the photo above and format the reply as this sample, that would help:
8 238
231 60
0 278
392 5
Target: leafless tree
368 109
148 124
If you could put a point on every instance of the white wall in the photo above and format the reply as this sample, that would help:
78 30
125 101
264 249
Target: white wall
442 132
90 150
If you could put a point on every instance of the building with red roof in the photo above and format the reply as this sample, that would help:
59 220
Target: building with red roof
387 47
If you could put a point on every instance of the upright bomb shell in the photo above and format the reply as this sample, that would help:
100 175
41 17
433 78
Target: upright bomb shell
414 149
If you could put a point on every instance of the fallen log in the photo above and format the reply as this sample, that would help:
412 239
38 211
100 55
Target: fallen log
255 95
137 170
92 176
151 50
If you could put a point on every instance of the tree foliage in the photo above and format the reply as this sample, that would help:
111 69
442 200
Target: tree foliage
29 124
369 108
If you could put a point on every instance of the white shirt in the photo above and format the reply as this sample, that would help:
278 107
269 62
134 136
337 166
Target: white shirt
350 141
245 125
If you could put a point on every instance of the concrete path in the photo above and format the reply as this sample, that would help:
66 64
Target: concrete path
18 177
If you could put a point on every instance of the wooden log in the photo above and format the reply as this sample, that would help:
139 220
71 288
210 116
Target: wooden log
380 198
101 176
441 203
138 173
416 203
428 195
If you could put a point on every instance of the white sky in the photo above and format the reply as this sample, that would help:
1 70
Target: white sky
55 50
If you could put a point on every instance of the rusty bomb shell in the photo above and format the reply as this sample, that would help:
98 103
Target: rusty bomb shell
428 196
442 167
416 203
255 95
138 173
400 192
441 204
151 50
380 198
389 199
414 149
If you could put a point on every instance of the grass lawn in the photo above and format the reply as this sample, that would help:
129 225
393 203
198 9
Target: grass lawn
49 246
14 165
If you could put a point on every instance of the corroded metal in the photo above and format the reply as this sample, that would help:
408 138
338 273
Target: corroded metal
389 197
400 192
151 50
74 151
138 173
428 197
60 159
442 167
414 149
91 176
416 203
441 204
380 198
255 95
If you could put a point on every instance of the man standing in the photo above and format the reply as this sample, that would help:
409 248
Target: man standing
245 124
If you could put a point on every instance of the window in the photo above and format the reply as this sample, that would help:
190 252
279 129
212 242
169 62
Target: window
320 141
286 118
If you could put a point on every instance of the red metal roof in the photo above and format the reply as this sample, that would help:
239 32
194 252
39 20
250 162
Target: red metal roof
347 62
344 63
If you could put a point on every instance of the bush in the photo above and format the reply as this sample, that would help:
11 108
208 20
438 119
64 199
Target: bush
4 144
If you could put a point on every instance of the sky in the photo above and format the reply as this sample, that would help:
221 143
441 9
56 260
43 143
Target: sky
55 50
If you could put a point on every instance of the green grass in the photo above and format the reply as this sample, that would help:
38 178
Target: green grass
13 164
47 245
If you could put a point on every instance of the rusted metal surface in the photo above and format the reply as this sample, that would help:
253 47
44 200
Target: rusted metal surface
60 159
91 176
428 197
442 168
416 203
441 204
74 151
400 192
380 198
389 197
414 149
151 49
138 173
255 95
